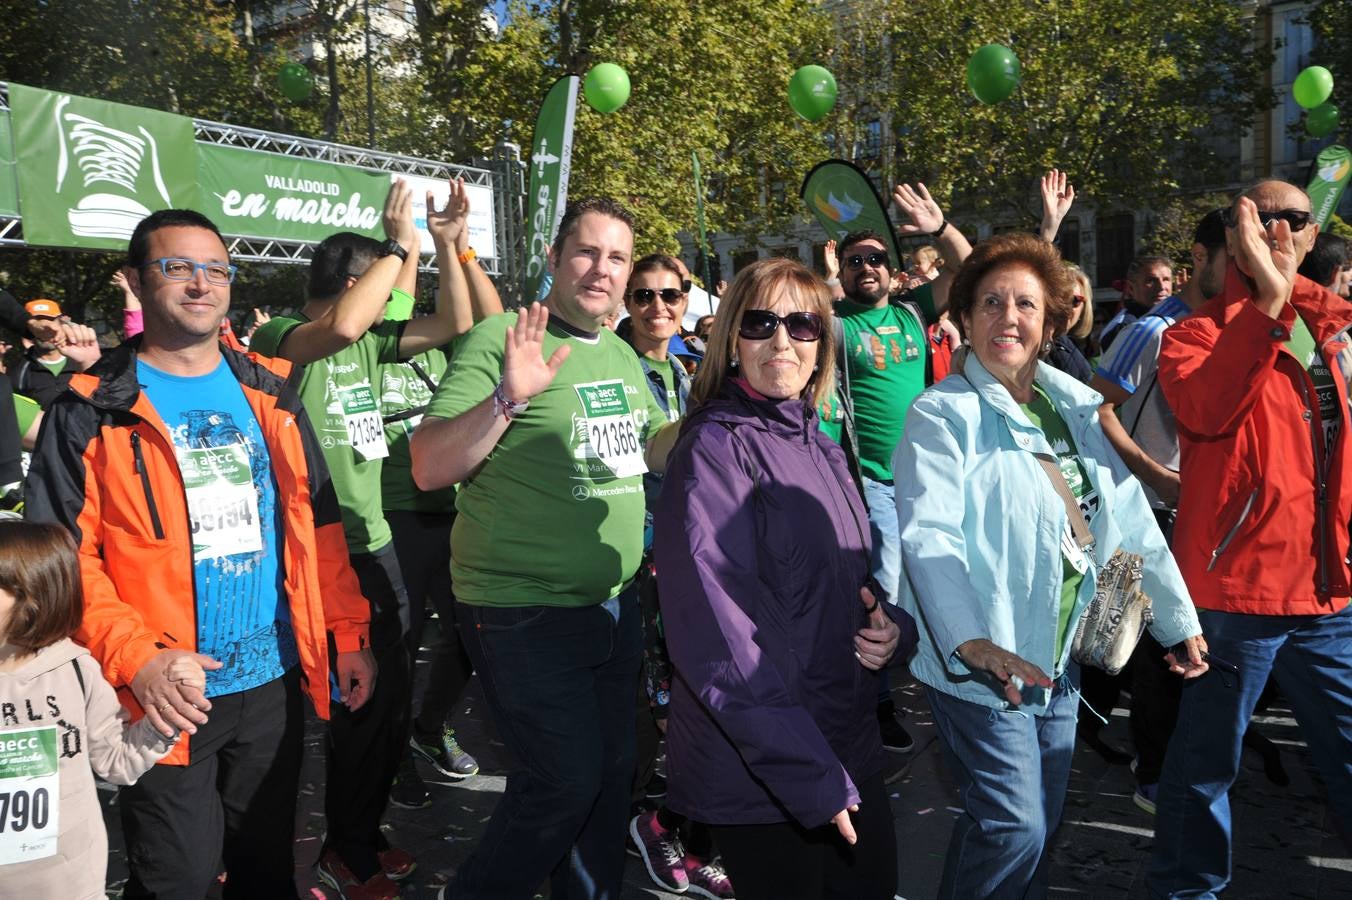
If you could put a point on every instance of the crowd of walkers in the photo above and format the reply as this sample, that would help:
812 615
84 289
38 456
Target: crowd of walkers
727 539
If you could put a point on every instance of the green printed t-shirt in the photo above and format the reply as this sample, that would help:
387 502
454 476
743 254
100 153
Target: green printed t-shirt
340 395
831 417
547 520
1043 414
885 351
402 391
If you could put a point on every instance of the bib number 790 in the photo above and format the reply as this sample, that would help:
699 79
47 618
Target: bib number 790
20 810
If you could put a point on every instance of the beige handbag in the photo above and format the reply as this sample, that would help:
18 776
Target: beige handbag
1116 618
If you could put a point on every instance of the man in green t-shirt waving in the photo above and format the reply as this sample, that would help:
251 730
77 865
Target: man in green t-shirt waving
543 417
884 365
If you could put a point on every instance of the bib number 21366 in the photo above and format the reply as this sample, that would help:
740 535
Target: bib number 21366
611 438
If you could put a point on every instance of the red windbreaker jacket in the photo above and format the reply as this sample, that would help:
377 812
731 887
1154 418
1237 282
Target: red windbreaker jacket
1263 513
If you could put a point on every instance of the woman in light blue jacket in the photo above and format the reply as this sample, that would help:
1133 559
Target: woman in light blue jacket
996 578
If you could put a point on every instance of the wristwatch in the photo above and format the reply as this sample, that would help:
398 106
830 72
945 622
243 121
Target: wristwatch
393 248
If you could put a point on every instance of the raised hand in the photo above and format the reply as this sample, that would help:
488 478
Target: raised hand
447 225
1010 669
397 217
525 371
832 261
875 644
129 299
1057 196
916 204
1268 258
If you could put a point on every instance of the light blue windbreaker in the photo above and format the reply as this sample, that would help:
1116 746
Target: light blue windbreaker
981 528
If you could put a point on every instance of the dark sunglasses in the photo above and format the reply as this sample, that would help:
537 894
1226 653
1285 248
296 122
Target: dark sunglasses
759 324
873 259
1296 218
644 296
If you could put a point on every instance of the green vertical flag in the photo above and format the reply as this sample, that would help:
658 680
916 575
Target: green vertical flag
1328 176
9 184
551 160
708 273
90 170
843 200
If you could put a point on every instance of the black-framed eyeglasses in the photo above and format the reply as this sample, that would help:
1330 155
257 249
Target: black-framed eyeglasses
1296 218
176 269
760 324
644 296
873 259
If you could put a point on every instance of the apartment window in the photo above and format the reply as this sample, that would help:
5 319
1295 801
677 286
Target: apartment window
1068 240
1116 244
789 252
742 259
871 141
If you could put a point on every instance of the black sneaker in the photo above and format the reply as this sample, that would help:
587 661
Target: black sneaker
443 753
895 738
656 788
409 791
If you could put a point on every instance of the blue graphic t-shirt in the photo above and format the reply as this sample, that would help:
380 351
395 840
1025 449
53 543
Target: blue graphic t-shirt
242 615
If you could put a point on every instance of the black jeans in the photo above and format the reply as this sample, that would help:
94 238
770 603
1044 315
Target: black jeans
422 542
235 800
784 860
560 683
365 746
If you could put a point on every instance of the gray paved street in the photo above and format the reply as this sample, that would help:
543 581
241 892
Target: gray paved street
1286 843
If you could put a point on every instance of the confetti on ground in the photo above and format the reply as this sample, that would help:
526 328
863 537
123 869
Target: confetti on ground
954 809
926 811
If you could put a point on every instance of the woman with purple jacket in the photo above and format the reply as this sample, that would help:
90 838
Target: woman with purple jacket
762 546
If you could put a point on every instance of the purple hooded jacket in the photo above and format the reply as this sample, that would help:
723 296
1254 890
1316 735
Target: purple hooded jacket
762 544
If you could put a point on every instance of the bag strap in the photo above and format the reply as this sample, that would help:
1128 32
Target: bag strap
1078 526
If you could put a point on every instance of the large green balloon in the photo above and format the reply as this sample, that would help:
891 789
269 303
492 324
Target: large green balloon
1312 86
295 81
1322 120
606 87
993 73
812 92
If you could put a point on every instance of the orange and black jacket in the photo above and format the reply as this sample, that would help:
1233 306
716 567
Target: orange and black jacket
105 468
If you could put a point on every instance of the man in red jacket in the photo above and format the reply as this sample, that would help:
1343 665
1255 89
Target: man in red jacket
1257 379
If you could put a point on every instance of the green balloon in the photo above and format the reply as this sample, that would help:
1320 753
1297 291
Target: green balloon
606 87
1322 120
993 73
812 92
295 81
1312 86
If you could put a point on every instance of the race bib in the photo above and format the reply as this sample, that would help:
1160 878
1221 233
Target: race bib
610 437
30 794
365 431
222 501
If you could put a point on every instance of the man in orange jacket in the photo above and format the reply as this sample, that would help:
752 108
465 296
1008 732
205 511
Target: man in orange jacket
1257 379
216 578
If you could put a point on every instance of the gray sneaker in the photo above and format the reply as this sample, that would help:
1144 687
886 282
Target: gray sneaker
444 754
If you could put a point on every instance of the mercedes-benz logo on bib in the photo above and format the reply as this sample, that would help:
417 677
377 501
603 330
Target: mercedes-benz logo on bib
581 492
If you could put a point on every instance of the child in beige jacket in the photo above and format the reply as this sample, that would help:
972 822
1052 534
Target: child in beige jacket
60 724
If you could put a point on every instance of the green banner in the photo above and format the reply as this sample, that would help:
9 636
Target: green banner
843 200
265 195
9 185
551 160
93 169
1328 176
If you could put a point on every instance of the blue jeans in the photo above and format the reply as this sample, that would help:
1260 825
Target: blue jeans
1309 656
560 684
880 498
1012 769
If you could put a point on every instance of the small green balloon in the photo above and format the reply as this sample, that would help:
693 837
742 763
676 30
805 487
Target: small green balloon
812 92
1322 120
1312 86
295 82
993 72
606 87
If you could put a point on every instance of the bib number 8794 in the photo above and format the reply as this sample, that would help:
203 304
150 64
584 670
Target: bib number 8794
19 810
